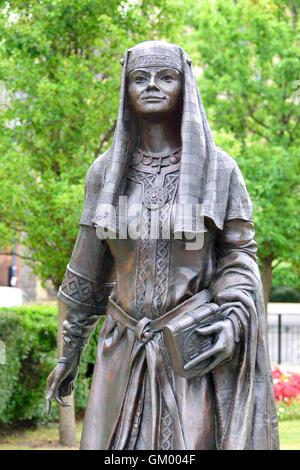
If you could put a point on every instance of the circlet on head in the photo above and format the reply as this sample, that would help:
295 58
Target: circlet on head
154 54
154 60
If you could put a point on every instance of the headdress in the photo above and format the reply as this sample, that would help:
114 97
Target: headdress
157 54
209 178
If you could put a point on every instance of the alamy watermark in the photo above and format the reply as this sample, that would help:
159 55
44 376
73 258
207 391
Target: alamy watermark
127 222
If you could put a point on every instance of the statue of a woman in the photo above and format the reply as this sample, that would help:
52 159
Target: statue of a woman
162 183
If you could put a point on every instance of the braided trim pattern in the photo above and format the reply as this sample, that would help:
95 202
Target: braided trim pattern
157 60
163 249
83 291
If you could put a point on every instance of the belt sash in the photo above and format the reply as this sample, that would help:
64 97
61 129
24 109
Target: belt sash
145 330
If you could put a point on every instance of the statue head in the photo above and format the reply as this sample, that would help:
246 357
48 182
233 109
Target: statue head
157 77
154 76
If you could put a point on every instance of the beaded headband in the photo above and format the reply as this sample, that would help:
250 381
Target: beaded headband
154 60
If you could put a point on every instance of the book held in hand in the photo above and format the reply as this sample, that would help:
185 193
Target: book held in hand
184 342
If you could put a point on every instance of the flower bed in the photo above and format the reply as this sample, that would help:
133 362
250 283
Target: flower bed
287 393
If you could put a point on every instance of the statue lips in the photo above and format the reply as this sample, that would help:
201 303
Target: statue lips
154 99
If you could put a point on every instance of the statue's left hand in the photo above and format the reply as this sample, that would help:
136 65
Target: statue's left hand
221 351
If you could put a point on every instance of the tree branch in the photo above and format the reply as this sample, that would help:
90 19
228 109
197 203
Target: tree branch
259 122
276 264
11 225
3 253
255 131
294 14
106 136
251 112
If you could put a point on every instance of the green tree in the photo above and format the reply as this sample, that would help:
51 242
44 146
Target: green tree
249 58
59 63
60 72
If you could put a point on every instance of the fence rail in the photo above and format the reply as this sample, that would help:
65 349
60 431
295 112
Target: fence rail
284 337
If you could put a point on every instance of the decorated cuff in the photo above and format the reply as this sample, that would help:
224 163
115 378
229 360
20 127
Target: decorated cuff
81 292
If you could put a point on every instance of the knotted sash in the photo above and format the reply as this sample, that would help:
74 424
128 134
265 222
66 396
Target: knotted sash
147 344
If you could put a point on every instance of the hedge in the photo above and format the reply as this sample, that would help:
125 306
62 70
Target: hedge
29 334
285 294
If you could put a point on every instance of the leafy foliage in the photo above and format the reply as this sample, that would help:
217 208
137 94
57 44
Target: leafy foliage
29 334
60 75
249 58
284 294
60 70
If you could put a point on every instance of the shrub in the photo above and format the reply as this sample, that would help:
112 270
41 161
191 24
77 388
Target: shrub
29 334
285 294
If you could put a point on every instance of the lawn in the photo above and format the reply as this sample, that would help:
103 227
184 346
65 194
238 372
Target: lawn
289 432
47 438
44 438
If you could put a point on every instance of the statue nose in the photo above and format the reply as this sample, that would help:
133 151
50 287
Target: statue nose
152 85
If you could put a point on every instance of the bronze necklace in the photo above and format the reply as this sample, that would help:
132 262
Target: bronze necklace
158 161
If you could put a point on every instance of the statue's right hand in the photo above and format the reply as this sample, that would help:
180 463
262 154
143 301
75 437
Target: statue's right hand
60 383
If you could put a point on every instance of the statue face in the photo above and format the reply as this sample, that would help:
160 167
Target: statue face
154 92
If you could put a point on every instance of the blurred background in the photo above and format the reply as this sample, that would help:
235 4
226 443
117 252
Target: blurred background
59 89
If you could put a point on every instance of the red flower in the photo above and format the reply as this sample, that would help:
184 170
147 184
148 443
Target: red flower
286 385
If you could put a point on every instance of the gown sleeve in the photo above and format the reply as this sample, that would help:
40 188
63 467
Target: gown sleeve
236 275
88 280
90 274
243 386
236 280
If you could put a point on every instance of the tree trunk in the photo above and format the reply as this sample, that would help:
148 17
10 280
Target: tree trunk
67 423
266 277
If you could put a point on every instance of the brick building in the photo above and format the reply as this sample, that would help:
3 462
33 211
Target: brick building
15 273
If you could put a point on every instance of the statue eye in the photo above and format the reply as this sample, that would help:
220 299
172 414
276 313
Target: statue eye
167 78
139 79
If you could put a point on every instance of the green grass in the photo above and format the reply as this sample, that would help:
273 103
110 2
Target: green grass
44 438
289 432
47 437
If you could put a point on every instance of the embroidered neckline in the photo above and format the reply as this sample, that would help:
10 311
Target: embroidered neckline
156 161
155 155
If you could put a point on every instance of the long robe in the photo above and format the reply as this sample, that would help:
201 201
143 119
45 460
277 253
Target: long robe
136 400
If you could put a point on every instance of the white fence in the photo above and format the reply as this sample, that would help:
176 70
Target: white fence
284 332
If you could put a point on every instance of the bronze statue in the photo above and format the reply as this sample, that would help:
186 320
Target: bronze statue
166 250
